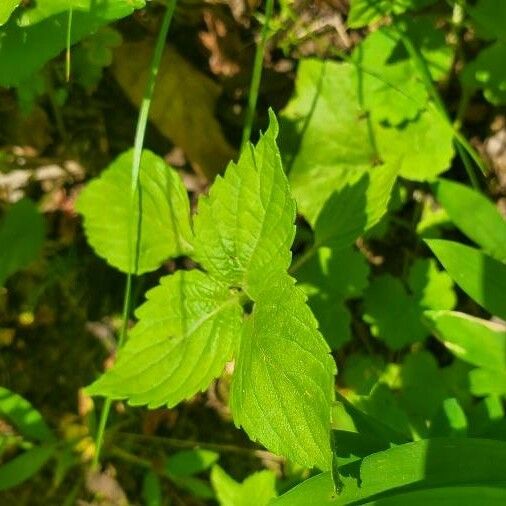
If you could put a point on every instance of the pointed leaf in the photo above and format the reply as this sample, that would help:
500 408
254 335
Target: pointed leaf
282 386
187 331
110 225
475 215
24 416
245 227
482 277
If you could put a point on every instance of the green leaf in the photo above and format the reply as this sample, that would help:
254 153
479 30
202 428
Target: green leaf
361 372
190 462
245 227
424 148
365 12
479 342
24 466
487 72
24 416
355 207
391 90
330 278
489 17
256 490
165 224
43 9
426 465
151 490
482 277
474 215
21 237
282 386
401 324
6 9
187 331
36 44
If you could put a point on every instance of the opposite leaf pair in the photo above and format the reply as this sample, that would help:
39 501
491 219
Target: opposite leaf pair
195 321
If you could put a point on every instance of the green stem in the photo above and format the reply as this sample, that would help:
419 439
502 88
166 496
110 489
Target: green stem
134 190
257 75
67 53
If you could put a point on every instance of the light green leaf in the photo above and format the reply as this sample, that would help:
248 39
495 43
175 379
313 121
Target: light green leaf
419 466
21 237
424 148
365 12
187 331
479 342
482 277
474 215
190 462
245 227
44 9
24 416
6 9
36 44
329 278
256 490
391 90
24 466
487 72
283 381
110 224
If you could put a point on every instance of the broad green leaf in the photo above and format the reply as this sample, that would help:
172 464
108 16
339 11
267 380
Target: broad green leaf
256 490
489 17
482 277
487 72
282 386
110 224
361 372
355 207
187 330
24 416
151 490
36 44
6 9
195 486
43 9
480 342
424 148
426 465
474 215
364 12
21 237
245 227
321 155
24 466
189 462
330 278
401 324
390 90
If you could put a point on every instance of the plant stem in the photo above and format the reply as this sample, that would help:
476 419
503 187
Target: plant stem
69 40
134 190
257 75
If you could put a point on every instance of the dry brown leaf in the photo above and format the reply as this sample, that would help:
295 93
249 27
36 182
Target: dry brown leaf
183 105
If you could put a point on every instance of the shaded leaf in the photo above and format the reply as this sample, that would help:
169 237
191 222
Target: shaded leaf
21 237
189 462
